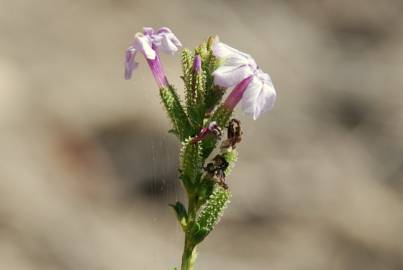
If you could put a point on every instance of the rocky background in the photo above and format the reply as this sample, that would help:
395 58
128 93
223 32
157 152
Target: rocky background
87 168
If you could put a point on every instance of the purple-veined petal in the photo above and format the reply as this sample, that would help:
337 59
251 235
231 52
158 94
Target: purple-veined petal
130 64
259 97
228 76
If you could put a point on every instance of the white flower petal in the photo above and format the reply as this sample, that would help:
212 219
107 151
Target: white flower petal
259 97
167 45
235 61
166 40
143 44
175 40
227 76
264 77
222 50
250 95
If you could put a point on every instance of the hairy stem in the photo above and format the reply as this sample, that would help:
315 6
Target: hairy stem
189 250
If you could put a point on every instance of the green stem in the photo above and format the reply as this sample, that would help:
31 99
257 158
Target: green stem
189 250
189 255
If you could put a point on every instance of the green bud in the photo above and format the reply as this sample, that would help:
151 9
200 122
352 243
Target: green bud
211 212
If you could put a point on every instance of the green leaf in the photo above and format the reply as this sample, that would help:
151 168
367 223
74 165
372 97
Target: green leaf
181 213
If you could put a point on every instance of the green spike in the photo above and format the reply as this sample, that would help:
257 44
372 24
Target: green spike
191 162
211 212
197 109
176 113
187 63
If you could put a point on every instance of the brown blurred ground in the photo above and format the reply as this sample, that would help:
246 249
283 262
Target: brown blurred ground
87 170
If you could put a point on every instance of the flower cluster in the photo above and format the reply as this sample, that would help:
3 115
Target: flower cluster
199 122
252 86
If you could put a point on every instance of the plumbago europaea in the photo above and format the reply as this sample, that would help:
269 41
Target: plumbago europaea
199 122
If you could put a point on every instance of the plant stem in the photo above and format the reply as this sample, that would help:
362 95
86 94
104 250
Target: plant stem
189 250
189 255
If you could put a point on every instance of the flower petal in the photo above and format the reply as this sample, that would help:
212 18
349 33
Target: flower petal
228 75
130 64
164 29
148 31
224 51
166 40
143 44
167 45
259 97
175 40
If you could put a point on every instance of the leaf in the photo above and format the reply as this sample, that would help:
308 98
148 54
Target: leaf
181 213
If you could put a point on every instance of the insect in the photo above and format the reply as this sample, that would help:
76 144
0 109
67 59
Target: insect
234 134
216 170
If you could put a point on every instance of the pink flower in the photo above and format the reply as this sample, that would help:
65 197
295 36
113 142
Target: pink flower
164 39
148 43
252 86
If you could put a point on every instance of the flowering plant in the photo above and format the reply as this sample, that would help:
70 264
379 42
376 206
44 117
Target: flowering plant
208 72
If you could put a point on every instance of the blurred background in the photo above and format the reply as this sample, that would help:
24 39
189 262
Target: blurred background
87 168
